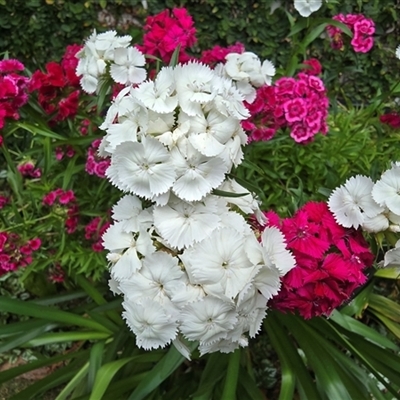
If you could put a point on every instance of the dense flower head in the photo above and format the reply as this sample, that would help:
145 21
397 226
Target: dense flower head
64 203
361 27
392 119
94 231
108 53
218 54
15 252
373 206
57 88
96 165
185 259
166 31
299 103
27 169
13 89
330 262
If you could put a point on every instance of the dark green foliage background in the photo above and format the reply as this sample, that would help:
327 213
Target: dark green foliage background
37 31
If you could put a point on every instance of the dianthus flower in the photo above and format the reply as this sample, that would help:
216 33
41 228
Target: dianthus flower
63 198
13 89
392 119
94 231
299 103
171 141
96 165
58 92
218 54
15 252
362 29
27 169
330 262
166 31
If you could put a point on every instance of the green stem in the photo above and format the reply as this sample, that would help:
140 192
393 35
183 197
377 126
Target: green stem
232 375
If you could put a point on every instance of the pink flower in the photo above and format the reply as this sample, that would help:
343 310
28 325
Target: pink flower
66 197
324 275
361 43
361 27
295 110
313 67
392 119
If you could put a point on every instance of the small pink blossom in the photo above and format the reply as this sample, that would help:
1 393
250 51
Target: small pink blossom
295 110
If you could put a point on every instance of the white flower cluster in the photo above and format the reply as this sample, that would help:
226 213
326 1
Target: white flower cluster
107 50
247 72
375 207
185 259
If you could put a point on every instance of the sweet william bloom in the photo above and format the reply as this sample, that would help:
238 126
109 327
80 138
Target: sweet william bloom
386 191
351 201
207 320
142 168
392 119
182 223
153 325
127 67
307 7
221 262
158 95
397 53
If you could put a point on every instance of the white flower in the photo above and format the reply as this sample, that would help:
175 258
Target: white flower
197 175
386 191
124 250
247 67
142 168
398 52
159 95
193 85
307 7
152 324
127 66
223 346
228 99
247 203
351 201
209 133
207 320
220 260
130 213
392 257
251 308
181 223
156 279
274 246
94 57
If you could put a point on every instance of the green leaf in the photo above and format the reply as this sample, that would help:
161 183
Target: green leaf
385 306
212 373
175 56
232 375
104 376
289 356
22 369
352 325
222 193
73 383
60 337
388 273
36 130
161 371
96 357
22 339
47 313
